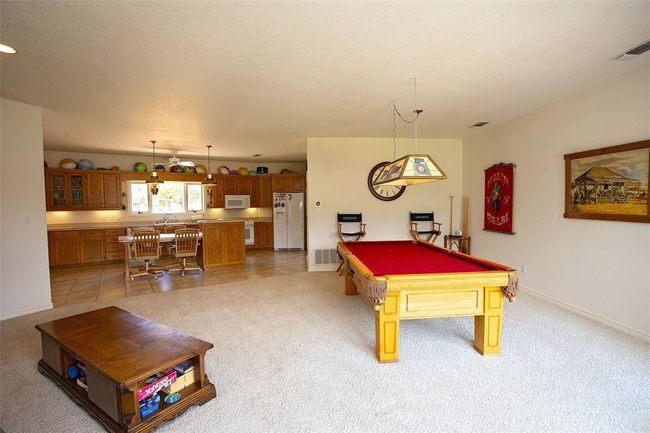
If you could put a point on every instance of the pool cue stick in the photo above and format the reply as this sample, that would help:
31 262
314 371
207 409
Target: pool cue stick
465 216
451 214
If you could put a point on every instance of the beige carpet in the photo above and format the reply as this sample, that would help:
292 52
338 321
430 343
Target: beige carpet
294 354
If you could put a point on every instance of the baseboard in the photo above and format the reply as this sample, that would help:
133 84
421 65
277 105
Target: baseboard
30 311
322 268
588 314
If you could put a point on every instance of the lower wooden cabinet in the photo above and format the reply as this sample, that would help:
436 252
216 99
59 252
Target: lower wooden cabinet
263 235
66 248
222 244
92 246
80 247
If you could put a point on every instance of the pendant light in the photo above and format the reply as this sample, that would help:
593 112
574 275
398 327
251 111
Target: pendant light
154 180
209 180
413 168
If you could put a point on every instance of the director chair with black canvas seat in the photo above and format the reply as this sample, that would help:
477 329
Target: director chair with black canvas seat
349 225
423 227
146 248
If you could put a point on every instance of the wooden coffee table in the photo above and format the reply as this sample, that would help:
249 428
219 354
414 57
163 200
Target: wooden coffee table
120 351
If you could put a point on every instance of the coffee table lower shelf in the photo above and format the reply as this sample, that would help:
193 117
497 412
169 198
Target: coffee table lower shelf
191 395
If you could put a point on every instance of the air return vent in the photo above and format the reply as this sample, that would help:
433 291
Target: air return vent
634 52
326 257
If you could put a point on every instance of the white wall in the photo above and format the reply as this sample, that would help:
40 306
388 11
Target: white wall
25 278
337 176
598 267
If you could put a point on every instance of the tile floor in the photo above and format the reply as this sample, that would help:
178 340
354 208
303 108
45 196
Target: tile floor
106 282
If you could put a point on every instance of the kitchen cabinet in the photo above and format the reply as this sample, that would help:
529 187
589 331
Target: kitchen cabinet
91 246
216 194
81 190
264 191
237 185
113 249
222 244
288 182
263 235
81 247
112 191
66 248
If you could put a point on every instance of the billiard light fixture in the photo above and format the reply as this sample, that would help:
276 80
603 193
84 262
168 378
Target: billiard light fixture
209 180
413 168
7 49
154 180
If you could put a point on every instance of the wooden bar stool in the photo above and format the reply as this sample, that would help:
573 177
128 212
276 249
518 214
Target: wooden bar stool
186 244
146 248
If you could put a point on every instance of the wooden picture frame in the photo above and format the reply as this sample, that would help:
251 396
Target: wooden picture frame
610 183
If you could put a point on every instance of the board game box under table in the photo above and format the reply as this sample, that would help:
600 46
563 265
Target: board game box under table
120 350
416 280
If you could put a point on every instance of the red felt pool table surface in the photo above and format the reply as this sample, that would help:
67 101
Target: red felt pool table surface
408 257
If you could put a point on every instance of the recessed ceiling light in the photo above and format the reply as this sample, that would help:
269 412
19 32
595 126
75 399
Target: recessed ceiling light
7 49
479 124
257 154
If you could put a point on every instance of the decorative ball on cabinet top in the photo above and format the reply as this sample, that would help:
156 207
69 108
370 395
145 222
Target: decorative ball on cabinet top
160 167
140 166
243 171
200 169
223 170
68 163
234 172
262 170
85 164
176 169
252 173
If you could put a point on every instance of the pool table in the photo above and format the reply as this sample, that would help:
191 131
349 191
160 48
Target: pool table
405 280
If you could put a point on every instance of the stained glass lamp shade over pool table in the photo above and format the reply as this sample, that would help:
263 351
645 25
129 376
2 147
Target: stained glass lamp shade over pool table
411 169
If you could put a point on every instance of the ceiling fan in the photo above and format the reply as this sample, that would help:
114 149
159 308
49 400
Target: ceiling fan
174 160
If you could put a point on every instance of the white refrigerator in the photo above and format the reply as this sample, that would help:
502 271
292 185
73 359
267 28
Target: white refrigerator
288 221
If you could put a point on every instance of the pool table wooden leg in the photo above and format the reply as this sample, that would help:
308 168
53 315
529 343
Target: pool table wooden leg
387 328
350 287
487 328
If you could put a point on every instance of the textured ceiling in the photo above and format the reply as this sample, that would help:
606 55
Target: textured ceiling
262 77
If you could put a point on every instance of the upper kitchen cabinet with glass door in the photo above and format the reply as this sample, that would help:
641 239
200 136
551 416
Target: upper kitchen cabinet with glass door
81 190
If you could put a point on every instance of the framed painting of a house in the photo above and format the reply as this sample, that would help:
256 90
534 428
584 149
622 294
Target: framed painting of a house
609 183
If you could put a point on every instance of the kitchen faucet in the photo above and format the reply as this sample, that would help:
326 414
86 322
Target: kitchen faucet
168 218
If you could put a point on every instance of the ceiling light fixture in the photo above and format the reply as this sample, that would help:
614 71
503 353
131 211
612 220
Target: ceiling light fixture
209 180
7 49
154 180
413 168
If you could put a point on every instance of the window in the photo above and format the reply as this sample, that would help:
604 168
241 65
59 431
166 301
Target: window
172 197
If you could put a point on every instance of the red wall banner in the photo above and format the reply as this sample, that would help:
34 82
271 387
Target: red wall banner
498 198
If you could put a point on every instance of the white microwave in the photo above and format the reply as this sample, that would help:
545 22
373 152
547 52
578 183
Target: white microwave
238 201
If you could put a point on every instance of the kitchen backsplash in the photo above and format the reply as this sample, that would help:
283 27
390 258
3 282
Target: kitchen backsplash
93 216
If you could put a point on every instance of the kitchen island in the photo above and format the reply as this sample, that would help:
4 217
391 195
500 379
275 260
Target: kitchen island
223 243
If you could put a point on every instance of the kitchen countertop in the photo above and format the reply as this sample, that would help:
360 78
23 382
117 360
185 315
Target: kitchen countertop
125 224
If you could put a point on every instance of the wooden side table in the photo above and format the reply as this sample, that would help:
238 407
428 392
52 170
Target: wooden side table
459 243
